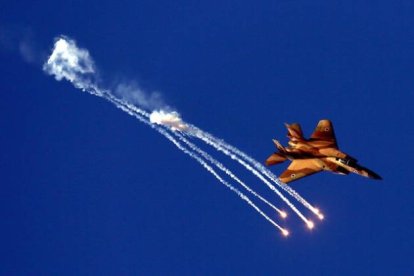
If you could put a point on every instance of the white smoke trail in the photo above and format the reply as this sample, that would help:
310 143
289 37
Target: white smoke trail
227 171
257 165
75 65
196 132
213 172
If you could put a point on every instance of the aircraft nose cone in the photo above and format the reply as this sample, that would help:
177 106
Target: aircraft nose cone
368 173
376 176
373 175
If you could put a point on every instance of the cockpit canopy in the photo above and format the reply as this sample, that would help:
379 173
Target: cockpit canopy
347 161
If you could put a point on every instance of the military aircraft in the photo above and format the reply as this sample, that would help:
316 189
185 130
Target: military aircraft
319 153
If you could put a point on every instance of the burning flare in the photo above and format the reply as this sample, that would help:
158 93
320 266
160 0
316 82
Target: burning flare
310 224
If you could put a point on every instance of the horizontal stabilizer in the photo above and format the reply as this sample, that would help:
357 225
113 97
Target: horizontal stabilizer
274 159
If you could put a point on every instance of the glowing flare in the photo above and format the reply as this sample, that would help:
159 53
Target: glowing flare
285 232
310 224
283 214
318 213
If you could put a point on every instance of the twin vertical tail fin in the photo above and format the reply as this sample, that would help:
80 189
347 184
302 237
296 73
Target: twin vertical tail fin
294 132
279 145
276 158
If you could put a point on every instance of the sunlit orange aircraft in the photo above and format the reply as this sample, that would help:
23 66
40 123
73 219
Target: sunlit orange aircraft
319 153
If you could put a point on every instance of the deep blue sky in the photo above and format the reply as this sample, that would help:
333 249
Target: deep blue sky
87 190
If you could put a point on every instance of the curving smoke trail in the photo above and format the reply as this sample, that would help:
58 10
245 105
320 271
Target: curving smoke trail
69 62
227 171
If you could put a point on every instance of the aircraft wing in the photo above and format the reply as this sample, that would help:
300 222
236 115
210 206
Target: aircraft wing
300 168
324 131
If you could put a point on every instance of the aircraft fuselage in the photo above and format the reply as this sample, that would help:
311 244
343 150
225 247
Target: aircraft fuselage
319 153
334 160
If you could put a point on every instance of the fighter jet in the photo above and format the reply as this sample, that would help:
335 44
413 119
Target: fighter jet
319 153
